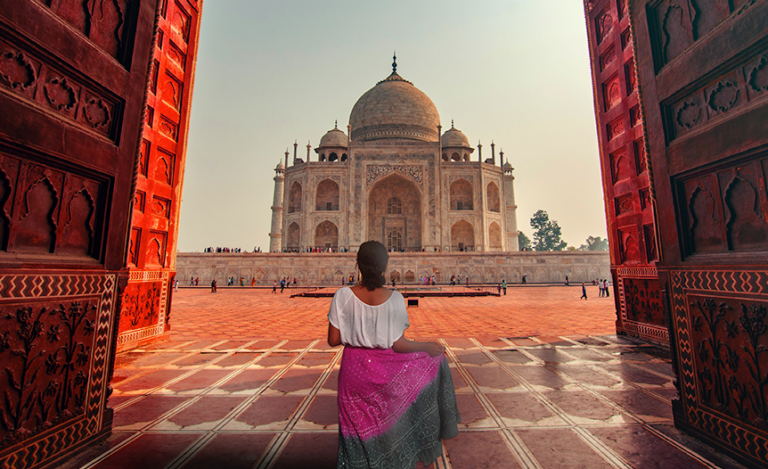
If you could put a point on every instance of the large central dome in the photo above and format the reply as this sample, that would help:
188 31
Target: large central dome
394 108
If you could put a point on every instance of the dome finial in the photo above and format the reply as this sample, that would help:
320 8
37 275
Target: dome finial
451 123
394 62
336 124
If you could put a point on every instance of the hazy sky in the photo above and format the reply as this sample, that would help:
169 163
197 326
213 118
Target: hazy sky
271 72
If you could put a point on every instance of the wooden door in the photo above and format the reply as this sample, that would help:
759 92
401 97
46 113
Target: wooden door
72 80
629 211
146 301
703 72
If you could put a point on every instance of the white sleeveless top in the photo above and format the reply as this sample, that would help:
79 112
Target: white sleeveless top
363 325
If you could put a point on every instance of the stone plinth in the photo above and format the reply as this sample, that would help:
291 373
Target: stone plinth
406 268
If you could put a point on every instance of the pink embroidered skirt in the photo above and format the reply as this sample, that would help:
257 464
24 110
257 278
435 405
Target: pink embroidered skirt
394 408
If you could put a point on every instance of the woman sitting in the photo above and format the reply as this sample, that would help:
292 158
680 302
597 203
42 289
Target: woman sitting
396 398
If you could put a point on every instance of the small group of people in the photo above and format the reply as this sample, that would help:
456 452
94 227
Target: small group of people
427 280
502 287
226 250
312 249
602 284
284 282
194 281
351 280
456 280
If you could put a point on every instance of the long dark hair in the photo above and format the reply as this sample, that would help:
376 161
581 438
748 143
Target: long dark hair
372 259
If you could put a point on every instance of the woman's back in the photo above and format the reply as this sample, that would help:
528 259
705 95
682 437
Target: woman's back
377 324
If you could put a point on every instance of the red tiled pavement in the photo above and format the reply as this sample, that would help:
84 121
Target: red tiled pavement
246 314
540 382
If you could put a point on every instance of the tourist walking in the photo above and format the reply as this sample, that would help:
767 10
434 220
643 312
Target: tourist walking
396 399
213 286
605 283
176 285
566 280
274 286
504 286
191 281
253 281
282 284
498 288
583 291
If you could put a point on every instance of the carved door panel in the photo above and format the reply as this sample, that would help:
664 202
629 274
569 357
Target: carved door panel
626 181
703 71
72 77
154 221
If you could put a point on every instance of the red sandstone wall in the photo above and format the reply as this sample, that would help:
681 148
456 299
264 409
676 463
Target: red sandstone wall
626 172
151 259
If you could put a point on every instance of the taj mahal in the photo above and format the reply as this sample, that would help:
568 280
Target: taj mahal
397 178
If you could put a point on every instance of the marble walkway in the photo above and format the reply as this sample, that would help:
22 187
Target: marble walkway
533 398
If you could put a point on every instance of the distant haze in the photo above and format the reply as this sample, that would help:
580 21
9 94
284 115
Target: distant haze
269 73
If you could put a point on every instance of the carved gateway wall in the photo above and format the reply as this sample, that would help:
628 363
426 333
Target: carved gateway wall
704 83
159 175
72 80
626 172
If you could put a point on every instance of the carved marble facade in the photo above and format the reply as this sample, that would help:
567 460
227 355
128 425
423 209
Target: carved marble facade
397 180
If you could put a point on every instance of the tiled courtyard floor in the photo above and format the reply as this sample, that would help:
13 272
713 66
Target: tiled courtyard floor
247 381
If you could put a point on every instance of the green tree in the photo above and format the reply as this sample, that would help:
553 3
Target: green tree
546 233
595 244
523 241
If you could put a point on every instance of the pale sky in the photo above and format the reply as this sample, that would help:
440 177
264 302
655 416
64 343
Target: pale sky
271 72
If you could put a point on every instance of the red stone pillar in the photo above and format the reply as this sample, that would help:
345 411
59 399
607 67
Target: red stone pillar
628 193
159 178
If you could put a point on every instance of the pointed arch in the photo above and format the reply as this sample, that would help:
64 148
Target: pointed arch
462 236
494 200
494 236
327 235
293 241
384 219
327 196
294 197
77 235
37 228
461 195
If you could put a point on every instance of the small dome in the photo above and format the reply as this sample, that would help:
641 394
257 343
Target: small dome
280 166
394 108
454 138
508 167
334 138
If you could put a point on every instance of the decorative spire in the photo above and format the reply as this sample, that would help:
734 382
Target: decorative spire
451 123
394 76
336 124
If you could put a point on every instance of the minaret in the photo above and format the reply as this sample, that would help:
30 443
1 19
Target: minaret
295 147
493 152
276 235
309 148
479 151
510 209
